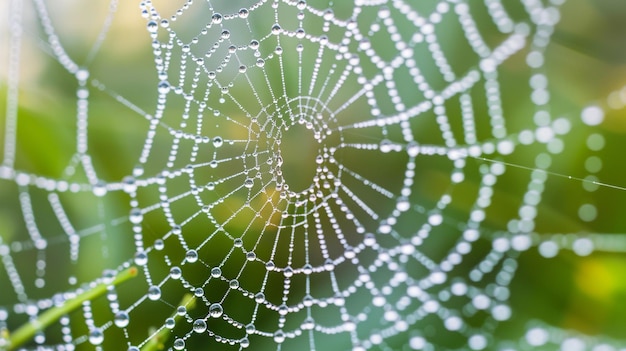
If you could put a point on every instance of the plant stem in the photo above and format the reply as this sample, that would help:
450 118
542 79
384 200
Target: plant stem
26 332
158 339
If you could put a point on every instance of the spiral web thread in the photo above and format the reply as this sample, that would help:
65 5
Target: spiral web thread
356 254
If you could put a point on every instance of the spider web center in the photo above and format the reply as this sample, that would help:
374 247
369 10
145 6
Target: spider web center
299 150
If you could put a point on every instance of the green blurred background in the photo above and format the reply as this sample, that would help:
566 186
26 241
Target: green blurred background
585 63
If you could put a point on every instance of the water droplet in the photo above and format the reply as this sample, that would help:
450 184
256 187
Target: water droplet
329 265
288 272
216 272
260 62
364 44
82 74
108 276
369 239
276 29
283 310
238 242
135 216
99 189
592 115
244 342
250 328
179 344
225 34
129 185
216 18
349 253
301 5
243 13
270 266
175 273
215 310
250 256
191 256
384 227
386 146
413 149
307 269
300 33
254 44
154 293
121 319
164 87
233 284
339 300
199 326
308 323
198 292
152 26
248 183
141 258
259 297
453 323
403 204
96 337
165 23
218 141
159 245
170 323
329 14
279 337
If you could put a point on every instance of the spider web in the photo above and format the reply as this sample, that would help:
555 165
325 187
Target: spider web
366 175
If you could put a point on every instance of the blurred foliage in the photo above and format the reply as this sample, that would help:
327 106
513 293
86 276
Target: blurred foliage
585 62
